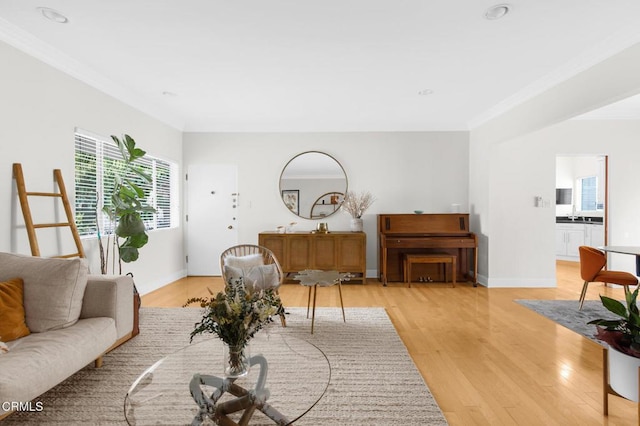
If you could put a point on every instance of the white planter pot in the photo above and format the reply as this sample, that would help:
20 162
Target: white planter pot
623 374
356 225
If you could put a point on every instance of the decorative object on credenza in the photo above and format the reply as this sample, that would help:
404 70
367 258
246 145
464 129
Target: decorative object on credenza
286 229
235 316
322 228
356 204
623 337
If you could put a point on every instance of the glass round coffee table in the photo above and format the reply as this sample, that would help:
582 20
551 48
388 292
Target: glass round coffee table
289 377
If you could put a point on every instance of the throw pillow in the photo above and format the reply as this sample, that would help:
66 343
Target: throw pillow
244 262
235 275
260 277
263 277
53 289
12 322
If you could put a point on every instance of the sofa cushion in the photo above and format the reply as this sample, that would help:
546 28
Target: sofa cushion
12 322
39 361
53 288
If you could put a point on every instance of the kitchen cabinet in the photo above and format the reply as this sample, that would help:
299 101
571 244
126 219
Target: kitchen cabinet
569 236
594 235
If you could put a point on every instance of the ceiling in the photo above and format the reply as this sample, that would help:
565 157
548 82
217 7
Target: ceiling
303 65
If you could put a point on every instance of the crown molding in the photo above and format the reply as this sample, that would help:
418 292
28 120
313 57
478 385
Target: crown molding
614 44
42 51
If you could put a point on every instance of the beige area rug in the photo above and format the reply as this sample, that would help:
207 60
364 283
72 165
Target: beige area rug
373 379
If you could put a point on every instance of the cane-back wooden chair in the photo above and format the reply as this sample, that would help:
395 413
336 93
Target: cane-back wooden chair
245 257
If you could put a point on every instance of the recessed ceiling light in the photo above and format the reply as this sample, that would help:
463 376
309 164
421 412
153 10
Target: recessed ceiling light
53 15
425 92
498 11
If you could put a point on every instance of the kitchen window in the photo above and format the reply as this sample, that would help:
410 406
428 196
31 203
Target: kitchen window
588 193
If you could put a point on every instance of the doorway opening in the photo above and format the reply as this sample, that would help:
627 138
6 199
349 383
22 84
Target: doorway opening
581 204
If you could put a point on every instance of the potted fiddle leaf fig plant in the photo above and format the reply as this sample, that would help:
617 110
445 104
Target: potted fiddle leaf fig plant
622 334
125 206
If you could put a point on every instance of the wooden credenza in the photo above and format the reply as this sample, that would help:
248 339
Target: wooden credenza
335 251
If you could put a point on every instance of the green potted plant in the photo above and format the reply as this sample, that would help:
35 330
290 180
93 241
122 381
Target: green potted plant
125 207
623 337
235 315
622 333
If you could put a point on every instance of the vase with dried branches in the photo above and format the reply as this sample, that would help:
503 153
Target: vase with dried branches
355 204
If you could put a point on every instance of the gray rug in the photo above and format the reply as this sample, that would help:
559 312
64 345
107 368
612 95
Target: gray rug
373 379
566 313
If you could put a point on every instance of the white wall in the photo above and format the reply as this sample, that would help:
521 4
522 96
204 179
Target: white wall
480 161
617 140
565 178
39 111
523 236
493 172
517 240
404 171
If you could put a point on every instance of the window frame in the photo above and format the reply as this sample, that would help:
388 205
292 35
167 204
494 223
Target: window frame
593 192
98 154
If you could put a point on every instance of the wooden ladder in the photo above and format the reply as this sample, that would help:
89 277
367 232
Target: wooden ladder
28 220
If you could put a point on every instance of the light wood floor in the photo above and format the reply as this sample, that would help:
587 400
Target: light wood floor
486 359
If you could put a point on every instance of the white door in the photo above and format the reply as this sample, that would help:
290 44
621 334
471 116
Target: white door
212 226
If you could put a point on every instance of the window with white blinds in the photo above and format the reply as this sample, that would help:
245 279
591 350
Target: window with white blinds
588 193
96 162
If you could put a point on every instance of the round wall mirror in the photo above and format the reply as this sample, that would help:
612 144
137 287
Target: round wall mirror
313 184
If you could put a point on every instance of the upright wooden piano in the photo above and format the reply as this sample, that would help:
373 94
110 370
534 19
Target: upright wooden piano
425 233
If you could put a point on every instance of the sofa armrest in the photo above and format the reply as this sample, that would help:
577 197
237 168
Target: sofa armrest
110 296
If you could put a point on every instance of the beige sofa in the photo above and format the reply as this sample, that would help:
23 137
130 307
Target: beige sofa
74 318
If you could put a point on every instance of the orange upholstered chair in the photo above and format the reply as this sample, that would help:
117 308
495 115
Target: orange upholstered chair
592 262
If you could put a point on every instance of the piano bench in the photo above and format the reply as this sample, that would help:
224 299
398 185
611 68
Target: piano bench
443 258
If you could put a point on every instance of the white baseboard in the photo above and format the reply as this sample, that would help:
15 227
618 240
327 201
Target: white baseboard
149 287
521 283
